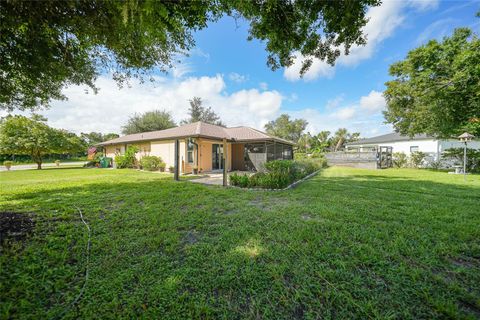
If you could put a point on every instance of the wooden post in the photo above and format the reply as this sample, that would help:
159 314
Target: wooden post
224 156
176 172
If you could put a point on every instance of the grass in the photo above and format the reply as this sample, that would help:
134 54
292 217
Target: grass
349 243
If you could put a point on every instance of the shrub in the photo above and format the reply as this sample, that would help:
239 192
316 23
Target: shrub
300 155
416 158
435 165
128 160
400 160
151 163
162 166
278 174
473 158
171 168
239 180
8 164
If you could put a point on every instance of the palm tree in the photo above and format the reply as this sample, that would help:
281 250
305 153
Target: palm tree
341 135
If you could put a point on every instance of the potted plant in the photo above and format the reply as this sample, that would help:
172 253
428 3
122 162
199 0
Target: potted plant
195 169
162 166
8 164
57 162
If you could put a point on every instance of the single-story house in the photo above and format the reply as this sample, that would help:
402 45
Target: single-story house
201 147
432 146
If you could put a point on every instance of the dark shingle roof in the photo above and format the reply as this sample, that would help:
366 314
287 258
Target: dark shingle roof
390 137
198 129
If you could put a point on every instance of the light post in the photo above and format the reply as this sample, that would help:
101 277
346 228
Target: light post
465 137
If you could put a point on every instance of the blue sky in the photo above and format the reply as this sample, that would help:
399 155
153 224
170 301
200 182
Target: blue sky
231 75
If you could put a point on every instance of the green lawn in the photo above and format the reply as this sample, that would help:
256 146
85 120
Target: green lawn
348 243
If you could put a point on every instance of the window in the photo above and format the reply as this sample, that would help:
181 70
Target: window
413 149
190 151
287 152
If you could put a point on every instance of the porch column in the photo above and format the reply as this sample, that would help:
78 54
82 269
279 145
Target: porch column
224 155
176 171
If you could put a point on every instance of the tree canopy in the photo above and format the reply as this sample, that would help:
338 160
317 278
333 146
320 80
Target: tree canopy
33 137
197 112
323 141
47 45
149 121
284 127
436 89
92 138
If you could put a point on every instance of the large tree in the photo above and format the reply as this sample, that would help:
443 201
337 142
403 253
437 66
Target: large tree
33 137
341 137
286 128
149 121
436 89
46 45
197 112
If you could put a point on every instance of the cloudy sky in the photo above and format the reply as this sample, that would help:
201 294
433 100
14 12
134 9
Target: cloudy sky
231 75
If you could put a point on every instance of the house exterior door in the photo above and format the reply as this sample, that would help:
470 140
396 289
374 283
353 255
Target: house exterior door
217 156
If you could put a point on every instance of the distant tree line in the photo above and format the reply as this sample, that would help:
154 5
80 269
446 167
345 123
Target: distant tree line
294 131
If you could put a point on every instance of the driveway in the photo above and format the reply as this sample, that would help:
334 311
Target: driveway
45 165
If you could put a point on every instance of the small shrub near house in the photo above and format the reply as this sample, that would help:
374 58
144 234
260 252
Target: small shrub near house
152 163
417 158
400 160
278 174
128 160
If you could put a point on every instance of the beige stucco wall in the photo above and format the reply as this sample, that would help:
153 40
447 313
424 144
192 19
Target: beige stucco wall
166 150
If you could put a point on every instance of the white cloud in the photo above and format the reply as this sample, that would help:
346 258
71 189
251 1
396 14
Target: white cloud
357 117
318 68
180 70
110 108
334 103
345 113
383 21
238 78
437 29
374 102
258 104
424 5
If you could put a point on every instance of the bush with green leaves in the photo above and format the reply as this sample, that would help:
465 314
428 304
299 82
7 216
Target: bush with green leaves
416 159
278 174
239 180
400 160
8 164
128 160
151 163
473 158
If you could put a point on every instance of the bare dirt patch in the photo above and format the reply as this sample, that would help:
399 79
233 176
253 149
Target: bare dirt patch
15 226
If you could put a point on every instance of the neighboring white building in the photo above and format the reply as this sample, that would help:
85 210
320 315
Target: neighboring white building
431 146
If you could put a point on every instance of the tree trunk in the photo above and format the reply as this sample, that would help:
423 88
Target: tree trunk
339 144
39 165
